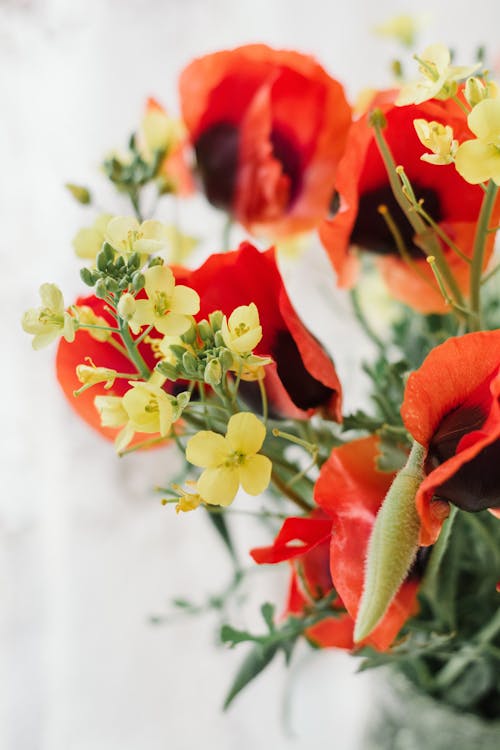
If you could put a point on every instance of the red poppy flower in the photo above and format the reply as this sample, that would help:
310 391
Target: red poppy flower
363 185
268 128
103 354
174 168
452 407
305 542
303 378
329 549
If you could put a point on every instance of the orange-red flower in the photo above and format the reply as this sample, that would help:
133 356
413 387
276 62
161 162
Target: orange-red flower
363 185
452 408
102 354
305 542
268 128
302 378
328 549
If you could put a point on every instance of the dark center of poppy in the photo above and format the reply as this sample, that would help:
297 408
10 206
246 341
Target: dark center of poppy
217 157
305 391
285 151
476 484
419 565
370 230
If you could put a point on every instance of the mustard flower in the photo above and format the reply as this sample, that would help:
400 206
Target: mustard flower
232 460
438 77
49 321
168 307
478 160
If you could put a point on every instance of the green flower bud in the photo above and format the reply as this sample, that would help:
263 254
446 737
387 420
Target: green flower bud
133 262
100 289
213 373
190 363
79 193
189 336
475 91
215 320
168 371
204 330
219 339
87 276
393 545
226 359
138 281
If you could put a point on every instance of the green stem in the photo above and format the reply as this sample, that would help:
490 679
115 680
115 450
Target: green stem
478 254
132 350
289 493
432 245
361 318
134 199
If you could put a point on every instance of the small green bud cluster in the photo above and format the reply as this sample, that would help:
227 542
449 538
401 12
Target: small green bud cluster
133 171
204 357
114 274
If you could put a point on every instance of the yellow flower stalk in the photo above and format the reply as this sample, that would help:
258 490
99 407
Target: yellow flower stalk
231 461
48 322
169 307
88 241
478 160
403 28
438 139
439 78
242 332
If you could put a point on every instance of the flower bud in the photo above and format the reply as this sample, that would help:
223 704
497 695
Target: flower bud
126 306
190 363
213 373
475 91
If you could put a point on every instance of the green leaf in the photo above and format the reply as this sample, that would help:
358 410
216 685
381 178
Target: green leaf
232 636
253 664
267 611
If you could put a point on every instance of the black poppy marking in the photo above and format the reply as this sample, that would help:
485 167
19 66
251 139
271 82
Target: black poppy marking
370 230
305 391
419 565
217 158
285 151
475 485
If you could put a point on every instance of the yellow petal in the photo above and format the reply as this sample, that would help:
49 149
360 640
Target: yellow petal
87 243
144 314
245 433
52 298
172 324
219 486
255 474
206 449
476 162
159 279
118 229
484 120
184 301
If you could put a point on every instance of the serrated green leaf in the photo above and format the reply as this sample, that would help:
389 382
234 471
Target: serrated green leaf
267 611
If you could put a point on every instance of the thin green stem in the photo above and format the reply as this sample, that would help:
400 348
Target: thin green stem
132 350
432 246
362 320
98 328
143 335
479 253
490 275
289 493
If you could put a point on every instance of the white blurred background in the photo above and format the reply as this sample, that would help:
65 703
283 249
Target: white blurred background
88 554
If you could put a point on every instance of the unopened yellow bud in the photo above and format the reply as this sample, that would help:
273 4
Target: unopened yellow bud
126 306
242 332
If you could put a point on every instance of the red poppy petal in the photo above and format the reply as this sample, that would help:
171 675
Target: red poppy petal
297 536
449 373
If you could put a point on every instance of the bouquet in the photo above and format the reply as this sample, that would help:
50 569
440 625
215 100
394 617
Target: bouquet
386 516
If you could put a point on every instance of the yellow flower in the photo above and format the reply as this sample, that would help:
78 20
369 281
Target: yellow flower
88 241
438 77
478 160
404 28
144 408
126 235
50 321
168 307
437 138
158 132
476 90
251 367
242 332
188 500
90 375
232 460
